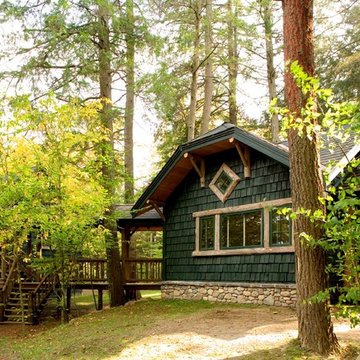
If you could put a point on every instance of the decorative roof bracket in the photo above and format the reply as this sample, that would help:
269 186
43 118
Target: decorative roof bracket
244 153
157 208
200 169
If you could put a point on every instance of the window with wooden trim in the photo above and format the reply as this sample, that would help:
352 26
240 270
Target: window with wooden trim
207 233
280 228
244 229
241 230
224 182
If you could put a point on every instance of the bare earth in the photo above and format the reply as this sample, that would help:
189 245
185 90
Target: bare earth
230 333
224 334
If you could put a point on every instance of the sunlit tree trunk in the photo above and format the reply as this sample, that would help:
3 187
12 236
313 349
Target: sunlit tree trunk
112 246
232 61
314 323
208 88
129 104
271 74
194 72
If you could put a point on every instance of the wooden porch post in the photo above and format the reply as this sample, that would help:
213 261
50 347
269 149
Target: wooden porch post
100 299
125 252
68 299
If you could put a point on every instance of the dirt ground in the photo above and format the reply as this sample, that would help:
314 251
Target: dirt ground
224 334
230 333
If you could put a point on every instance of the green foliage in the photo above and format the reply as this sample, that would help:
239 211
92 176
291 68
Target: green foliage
322 117
50 181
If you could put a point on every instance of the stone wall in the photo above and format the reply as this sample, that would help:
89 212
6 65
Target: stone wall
242 293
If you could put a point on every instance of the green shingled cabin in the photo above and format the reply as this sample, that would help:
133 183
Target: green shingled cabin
223 239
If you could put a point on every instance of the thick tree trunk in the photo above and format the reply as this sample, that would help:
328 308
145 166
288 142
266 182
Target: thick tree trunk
129 105
194 73
232 62
315 327
208 89
271 74
112 247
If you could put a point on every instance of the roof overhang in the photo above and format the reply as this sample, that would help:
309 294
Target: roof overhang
216 141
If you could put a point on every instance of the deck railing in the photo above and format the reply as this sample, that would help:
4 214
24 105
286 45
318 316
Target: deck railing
86 270
143 270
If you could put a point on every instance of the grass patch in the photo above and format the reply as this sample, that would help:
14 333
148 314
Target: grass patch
99 334
104 334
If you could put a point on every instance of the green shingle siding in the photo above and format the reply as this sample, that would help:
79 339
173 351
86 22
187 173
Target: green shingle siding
269 181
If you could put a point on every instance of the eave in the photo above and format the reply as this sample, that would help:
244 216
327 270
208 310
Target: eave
178 167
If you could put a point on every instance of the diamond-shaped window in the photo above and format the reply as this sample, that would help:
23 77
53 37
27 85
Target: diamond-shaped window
224 182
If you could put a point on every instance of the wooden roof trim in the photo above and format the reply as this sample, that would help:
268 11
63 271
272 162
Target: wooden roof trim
199 169
244 153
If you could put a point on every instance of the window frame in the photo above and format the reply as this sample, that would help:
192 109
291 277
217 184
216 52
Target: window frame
289 243
244 235
232 175
214 229
266 248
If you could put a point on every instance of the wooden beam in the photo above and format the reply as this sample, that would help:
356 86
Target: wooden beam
144 210
157 208
200 169
244 153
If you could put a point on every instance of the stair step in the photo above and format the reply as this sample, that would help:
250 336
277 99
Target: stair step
7 322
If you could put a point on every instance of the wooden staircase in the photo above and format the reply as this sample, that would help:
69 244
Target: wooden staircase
21 297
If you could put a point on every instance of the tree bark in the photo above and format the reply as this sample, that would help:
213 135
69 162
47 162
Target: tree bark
232 62
314 323
194 72
129 104
112 247
208 88
271 74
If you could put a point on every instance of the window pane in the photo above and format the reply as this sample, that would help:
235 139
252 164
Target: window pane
223 182
232 231
239 230
280 229
207 233
253 229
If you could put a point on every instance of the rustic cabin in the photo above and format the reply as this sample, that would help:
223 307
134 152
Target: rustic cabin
216 201
223 238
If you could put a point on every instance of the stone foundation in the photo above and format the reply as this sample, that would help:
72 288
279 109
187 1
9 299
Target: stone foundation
242 293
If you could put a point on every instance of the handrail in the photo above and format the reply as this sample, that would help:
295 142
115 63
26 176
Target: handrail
38 296
7 288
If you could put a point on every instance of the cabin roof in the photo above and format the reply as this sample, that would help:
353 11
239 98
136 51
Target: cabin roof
218 140
150 220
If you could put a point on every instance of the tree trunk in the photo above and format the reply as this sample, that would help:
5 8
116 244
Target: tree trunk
129 105
194 73
112 246
314 323
208 89
271 74
232 62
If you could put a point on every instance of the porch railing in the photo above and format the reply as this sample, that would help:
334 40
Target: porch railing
143 270
86 269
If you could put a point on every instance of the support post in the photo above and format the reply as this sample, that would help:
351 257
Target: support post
68 299
100 299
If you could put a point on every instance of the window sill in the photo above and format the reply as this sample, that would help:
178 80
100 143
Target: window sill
247 251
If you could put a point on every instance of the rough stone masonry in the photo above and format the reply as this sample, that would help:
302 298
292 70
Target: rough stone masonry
242 293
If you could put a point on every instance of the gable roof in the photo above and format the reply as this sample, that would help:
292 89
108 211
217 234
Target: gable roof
217 140
214 141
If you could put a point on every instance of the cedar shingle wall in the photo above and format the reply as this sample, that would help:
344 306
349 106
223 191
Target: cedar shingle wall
269 181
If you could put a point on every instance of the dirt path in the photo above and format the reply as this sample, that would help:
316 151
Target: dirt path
223 334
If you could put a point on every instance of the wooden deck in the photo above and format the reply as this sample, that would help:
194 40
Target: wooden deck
140 274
